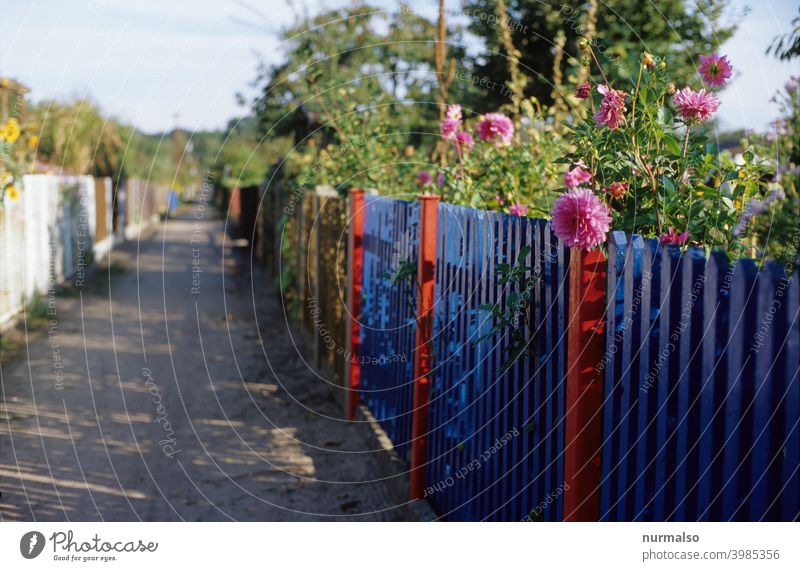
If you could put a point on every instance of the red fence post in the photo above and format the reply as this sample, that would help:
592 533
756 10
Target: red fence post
426 266
583 422
356 283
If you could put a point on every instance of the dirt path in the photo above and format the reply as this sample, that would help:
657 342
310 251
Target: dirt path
163 405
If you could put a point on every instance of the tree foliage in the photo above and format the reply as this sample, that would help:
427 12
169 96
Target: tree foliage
677 30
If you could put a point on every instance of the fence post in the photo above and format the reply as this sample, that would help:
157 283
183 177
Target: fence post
426 266
583 421
317 342
356 247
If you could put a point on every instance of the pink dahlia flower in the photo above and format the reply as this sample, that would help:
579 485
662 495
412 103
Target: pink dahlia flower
716 70
423 178
450 127
672 237
464 141
577 176
454 112
580 219
583 91
518 209
695 106
612 108
617 189
496 127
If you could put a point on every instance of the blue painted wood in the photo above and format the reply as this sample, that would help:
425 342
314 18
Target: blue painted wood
646 444
615 300
628 383
789 497
716 303
523 450
666 365
534 427
562 267
738 391
551 379
767 440
690 330
387 317
701 374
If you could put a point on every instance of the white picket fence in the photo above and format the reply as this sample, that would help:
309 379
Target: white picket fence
60 225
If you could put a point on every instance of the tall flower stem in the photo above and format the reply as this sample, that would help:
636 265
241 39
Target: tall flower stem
636 97
686 142
597 63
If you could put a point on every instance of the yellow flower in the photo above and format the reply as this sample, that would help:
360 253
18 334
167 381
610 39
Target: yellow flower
11 130
12 193
4 83
648 60
32 142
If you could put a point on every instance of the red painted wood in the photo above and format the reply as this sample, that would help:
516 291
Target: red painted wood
583 423
356 283
426 266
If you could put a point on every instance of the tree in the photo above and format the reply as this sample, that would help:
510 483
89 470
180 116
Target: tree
676 30
787 46
354 60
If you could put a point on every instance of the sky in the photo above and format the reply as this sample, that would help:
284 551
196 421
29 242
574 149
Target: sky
152 62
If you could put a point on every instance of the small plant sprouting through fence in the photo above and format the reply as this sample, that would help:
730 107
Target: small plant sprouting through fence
405 274
519 281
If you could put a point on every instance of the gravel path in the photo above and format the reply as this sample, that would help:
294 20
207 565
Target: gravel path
166 405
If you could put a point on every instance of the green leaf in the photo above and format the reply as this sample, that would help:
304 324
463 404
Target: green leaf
672 145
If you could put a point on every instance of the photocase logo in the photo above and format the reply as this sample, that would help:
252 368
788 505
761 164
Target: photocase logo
31 544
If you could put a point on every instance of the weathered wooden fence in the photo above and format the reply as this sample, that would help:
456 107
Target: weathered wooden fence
303 239
677 400
59 226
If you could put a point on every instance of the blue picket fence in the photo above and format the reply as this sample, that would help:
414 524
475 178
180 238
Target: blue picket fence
496 435
388 316
702 387
701 374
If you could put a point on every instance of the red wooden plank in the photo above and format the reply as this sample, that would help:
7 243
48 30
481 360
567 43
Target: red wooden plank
356 283
426 266
583 421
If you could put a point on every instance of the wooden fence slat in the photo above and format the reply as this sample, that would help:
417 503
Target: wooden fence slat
790 494
765 465
712 392
648 349
668 351
615 296
628 389
741 321
690 330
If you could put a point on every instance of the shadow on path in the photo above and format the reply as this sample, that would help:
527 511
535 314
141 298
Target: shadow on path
151 399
